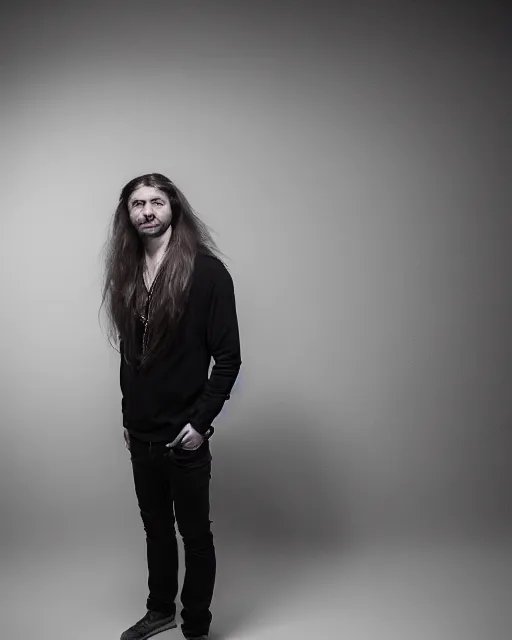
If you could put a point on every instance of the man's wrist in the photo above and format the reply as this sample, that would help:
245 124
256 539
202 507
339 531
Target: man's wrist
200 428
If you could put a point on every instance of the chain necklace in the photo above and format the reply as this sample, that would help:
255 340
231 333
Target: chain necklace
147 280
149 287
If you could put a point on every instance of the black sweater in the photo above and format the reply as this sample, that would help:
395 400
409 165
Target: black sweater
176 390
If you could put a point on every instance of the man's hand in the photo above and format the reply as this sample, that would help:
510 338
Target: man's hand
188 438
127 439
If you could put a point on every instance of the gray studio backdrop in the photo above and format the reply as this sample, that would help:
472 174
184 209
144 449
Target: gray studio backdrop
352 164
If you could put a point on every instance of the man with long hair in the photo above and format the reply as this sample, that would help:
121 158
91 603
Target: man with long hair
171 303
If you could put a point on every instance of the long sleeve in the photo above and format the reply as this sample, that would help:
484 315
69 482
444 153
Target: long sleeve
223 343
123 401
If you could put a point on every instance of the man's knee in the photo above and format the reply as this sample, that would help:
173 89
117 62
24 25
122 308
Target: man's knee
199 539
158 524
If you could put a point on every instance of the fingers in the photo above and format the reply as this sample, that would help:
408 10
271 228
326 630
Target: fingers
186 437
179 437
189 444
175 442
192 443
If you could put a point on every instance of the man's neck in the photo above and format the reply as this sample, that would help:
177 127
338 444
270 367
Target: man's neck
154 250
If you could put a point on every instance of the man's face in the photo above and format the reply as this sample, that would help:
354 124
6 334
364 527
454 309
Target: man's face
150 211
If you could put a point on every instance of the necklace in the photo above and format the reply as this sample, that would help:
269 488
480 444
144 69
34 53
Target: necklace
148 278
149 286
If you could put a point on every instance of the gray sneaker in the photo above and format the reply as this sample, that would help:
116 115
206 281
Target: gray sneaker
152 623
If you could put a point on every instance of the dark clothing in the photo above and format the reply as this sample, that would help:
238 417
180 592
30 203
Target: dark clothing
172 485
175 391
166 478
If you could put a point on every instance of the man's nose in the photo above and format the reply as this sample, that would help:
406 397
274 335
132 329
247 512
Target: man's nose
148 209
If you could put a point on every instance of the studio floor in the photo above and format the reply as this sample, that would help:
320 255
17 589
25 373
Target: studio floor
447 590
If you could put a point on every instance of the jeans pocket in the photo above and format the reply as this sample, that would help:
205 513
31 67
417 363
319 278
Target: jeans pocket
191 457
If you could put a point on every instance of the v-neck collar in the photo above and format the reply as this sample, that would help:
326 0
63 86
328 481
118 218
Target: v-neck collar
150 290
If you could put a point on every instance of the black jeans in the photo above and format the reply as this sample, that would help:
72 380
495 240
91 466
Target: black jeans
173 485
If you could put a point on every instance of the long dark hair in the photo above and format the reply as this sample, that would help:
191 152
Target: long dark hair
123 288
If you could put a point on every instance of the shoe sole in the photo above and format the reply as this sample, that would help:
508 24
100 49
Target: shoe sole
165 627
